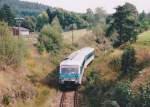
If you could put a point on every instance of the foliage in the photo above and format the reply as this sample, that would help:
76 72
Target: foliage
7 15
93 78
110 103
115 64
72 27
99 32
41 47
6 100
124 23
12 50
66 18
144 23
94 18
142 99
55 23
128 61
42 19
90 17
100 15
24 8
123 94
51 37
29 23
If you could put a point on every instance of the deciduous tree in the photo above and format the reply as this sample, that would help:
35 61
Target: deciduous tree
124 23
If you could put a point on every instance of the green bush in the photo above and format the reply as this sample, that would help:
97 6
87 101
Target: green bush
122 93
6 99
45 92
12 50
115 64
55 58
128 61
142 99
99 32
41 48
110 103
50 37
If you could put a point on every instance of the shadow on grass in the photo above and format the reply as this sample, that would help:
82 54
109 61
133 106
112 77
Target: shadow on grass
51 80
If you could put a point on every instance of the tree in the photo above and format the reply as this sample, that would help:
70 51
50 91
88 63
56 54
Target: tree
51 37
42 19
29 23
90 17
51 14
66 18
128 61
99 32
100 15
124 23
7 15
144 23
56 24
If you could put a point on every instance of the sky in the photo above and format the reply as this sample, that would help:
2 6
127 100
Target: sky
82 5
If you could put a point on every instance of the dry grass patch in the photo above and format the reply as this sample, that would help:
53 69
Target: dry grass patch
77 35
143 55
142 79
102 65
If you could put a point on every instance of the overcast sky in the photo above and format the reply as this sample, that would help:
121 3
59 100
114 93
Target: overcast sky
82 5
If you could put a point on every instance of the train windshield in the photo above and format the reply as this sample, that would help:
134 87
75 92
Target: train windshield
69 70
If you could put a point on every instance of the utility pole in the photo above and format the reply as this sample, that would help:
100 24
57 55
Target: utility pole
72 34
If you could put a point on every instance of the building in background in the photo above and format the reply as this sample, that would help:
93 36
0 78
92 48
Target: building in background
20 31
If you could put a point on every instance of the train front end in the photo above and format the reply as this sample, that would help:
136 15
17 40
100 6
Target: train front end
69 74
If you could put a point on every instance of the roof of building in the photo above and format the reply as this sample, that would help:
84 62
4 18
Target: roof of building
21 28
77 57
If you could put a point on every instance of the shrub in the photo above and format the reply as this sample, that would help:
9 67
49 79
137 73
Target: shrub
115 64
93 78
55 58
142 99
12 50
6 99
123 94
45 92
41 48
99 32
128 61
50 37
110 103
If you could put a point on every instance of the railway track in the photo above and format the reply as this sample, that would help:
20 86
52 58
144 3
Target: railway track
69 99
76 99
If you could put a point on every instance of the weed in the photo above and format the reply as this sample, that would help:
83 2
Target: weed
6 99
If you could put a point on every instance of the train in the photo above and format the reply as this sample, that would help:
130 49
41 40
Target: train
72 68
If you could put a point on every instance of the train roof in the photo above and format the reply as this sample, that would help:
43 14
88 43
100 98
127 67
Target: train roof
77 57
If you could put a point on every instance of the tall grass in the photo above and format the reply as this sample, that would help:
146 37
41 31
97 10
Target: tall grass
12 50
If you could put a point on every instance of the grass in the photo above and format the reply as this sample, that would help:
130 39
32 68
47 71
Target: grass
143 59
77 35
144 39
40 67
44 98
